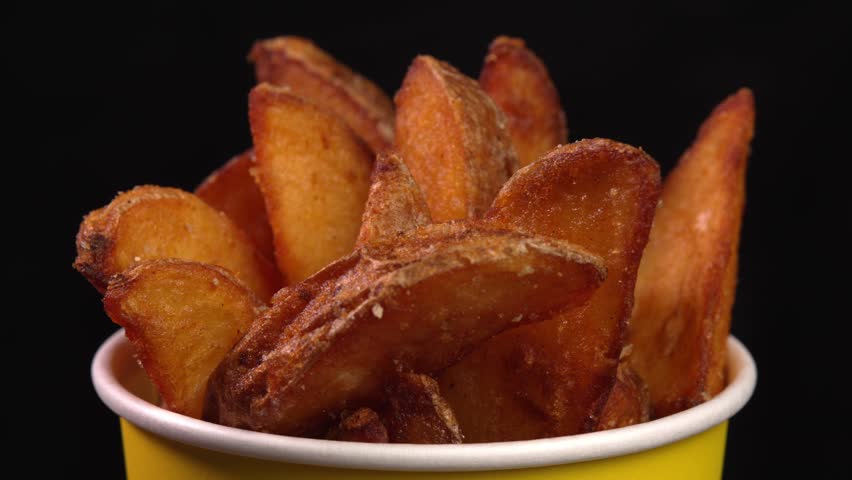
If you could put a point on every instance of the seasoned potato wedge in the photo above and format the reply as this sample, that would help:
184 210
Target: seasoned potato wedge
395 204
418 306
688 274
231 189
314 173
362 425
551 378
629 401
518 82
152 222
182 319
416 412
311 73
453 139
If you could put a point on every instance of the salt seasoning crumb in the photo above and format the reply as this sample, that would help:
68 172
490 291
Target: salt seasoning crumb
377 310
528 269
216 282
137 259
518 318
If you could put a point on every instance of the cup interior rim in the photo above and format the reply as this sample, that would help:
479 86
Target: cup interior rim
115 358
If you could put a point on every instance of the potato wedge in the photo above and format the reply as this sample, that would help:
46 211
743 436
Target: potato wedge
629 401
310 73
362 425
688 274
151 222
314 173
395 204
551 378
418 307
416 412
231 189
453 139
518 82
182 319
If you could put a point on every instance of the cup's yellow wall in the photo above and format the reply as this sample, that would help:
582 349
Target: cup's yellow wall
148 456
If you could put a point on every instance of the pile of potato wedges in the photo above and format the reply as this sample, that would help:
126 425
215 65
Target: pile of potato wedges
443 267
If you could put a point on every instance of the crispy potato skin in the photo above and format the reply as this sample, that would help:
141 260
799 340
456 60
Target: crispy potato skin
231 189
151 222
552 378
629 401
182 319
362 425
314 174
453 139
310 73
687 277
416 412
395 204
518 82
418 305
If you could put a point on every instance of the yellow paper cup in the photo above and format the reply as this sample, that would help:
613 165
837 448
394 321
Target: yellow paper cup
159 444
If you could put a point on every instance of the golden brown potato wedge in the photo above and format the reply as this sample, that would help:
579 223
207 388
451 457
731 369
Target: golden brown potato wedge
395 204
418 307
416 412
629 401
152 222
182 319
310 73
362 425
453 139
551 378
231 189
687 278
518 82
314 173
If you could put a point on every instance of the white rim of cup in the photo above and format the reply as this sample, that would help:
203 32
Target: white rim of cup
117 352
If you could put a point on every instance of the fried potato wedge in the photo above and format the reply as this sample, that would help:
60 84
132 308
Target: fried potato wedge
518 82
395 204
182 319
418 307
551 378
310 73
687 278
314 174
362 425
629 401
416 412
151 222
453 139
231 189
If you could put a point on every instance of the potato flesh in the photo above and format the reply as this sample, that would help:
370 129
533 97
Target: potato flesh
548 379
152 222
518 82
687 277
310 73
420 307
395 204
182 319
314 174
629 401
416 412
231 189
453 139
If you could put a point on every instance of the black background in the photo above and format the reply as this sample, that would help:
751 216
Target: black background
102 100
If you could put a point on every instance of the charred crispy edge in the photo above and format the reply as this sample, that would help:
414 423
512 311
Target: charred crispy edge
414 387
445 260
363 95
362 425
386 196
647 169
516 48
625 374
96 239
122 284
734 172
